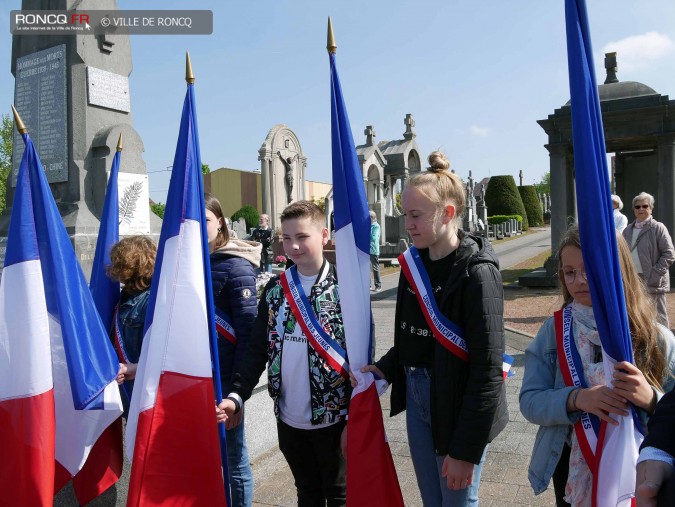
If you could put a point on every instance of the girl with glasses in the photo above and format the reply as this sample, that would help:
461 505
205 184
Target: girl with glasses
546 400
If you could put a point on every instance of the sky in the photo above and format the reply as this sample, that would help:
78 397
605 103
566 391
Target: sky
475 74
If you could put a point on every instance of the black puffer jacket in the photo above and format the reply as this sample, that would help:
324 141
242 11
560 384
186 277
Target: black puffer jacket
234 292
468 399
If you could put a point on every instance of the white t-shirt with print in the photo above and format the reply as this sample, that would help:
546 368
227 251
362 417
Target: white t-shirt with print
295 407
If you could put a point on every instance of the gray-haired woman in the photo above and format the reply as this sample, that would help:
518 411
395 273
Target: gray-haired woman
652 250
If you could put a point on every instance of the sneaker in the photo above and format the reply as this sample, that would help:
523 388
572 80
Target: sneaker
379 289
372 289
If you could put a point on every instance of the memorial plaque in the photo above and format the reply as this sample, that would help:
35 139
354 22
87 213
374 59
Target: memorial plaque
41 99
107 89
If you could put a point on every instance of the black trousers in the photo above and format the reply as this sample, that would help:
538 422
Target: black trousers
316 461
560 475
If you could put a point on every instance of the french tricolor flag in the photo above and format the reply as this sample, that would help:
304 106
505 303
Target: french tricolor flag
617 448
58 392
171 433
371 476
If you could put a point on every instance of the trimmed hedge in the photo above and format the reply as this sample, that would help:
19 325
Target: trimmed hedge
250 214
535 216
500 219
502 198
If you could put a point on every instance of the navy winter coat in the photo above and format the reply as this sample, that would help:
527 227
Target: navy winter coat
234 292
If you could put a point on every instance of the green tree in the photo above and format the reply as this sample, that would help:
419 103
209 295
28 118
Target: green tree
250 215
320 202
6 140
544 186
158 209
502 198
535 216
206 169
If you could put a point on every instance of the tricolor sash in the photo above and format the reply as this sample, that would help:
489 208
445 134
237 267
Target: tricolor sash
224 326
446 332
587 428
321 341
118 339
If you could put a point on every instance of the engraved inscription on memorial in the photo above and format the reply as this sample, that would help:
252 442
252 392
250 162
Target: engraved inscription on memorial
106 89
40 98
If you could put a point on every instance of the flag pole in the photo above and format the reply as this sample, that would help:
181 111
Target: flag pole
213 337
125 387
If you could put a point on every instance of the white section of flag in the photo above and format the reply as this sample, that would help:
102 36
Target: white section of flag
25 353
620 450
76 430
354 290
172 342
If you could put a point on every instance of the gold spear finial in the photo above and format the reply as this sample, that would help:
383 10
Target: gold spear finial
19 122
119 143
330 46
189 76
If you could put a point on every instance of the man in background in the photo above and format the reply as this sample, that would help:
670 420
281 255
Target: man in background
263 235
375 251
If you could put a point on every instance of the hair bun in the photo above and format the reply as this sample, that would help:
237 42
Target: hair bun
438 162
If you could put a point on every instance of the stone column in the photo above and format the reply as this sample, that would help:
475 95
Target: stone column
665 200
274 223
560 176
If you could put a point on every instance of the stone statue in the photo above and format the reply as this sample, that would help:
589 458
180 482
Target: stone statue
482 192
471 183
288 179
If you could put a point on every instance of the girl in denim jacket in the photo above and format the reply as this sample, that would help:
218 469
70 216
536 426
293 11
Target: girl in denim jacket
132 262
546 400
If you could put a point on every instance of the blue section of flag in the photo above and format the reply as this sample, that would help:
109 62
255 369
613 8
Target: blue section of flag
92 363
106 292
349 193
185 201
596 223
21 239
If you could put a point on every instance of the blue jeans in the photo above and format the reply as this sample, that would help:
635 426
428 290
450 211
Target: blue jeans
239 468
433 487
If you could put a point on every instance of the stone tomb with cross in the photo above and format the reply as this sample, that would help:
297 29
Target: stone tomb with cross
282 167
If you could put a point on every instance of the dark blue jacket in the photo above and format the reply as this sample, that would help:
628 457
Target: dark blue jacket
131 319
234 293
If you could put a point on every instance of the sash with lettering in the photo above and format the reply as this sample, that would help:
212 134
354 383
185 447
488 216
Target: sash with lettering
224 326
118 342
324 345
587 428
117 338
446 332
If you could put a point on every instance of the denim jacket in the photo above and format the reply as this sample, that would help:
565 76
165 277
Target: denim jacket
543 400
131 316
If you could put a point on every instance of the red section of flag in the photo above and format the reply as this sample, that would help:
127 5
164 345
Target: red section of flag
177 454
103 467
61 477
371 476
27 443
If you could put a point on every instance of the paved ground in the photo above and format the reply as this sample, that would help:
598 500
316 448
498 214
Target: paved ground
504 481
515 251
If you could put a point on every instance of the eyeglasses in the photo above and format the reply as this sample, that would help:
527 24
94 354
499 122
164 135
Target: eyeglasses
571 274
643 206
